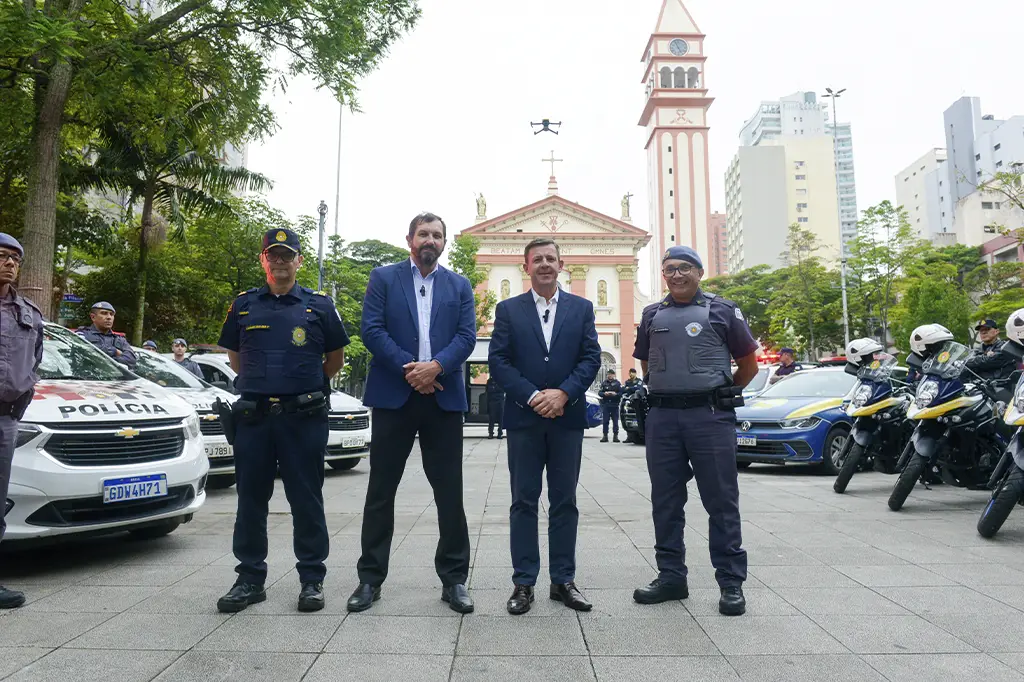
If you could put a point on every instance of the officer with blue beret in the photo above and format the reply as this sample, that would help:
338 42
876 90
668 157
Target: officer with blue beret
149 345
21 325
101 334
285 341
178 348
685 344
787 364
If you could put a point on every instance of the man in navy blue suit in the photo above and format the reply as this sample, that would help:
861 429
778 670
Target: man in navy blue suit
544 352
419 323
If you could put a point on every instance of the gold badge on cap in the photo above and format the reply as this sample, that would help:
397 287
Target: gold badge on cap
281 236
299 336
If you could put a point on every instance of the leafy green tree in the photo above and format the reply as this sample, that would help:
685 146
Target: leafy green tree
462 258
751 290
375 253
932 295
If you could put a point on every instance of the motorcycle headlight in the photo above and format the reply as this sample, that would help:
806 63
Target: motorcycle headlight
1018 398
802 423
862 396
926 393
192 426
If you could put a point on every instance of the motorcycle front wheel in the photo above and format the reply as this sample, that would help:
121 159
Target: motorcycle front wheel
1001 504
907 480
850 464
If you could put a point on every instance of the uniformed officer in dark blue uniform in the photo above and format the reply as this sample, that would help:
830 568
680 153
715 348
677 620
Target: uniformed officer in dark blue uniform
100 334
787 364
285 341
685 344
610 393
21 327
495 408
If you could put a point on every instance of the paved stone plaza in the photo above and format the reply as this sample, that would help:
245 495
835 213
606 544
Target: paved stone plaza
840 588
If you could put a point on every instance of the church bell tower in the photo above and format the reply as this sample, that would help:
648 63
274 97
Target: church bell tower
675 117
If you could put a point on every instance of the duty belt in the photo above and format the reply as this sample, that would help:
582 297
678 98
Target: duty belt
304 402
680 402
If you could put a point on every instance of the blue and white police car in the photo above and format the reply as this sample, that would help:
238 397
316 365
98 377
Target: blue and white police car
798 420
101 450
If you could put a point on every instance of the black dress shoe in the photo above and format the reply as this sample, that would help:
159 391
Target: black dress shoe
458 598
363 597
658 592
10 599
240 596
616 439
311 597
732 603
605 439
570 595
519 602
490 436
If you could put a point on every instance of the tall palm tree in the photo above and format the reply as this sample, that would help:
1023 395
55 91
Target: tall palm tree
179 174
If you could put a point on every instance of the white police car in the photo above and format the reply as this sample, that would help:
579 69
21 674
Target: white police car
201 395
102 450
348 440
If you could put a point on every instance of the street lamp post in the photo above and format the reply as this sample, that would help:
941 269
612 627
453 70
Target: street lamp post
835 95
322 209
337 189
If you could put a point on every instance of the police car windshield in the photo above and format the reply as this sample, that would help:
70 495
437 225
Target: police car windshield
166 372
67 356
759 380
812 384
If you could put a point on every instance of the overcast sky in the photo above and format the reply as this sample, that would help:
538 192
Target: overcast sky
448 112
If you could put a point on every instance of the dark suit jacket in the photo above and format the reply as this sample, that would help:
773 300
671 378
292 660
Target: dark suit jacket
390 331
522 364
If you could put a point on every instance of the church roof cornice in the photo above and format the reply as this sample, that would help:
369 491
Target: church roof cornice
620 229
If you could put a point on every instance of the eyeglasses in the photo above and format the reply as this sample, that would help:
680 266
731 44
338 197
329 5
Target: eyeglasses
279 255
15 258
672 270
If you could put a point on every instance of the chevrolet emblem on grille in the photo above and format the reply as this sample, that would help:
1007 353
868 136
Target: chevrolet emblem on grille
209 417
349 417
127 432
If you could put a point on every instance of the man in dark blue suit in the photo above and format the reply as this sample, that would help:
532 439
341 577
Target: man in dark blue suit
544 352
419 323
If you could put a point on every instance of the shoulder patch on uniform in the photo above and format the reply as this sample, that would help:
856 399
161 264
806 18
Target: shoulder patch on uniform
739 315
320 293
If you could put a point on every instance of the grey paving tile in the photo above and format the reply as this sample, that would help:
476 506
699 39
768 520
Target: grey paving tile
93 599
184 598
675 636
914 667
143 575
84 665
955 599
808 668
395 635
1007 594
306 633
894 576
493 636
976 575
13 659
852 556
760 602
891 634
1002 633
522 667
27 628
379 668
1015 661
800 576
839 601
221 666
768 635
620 604
779 555
149 631
667 669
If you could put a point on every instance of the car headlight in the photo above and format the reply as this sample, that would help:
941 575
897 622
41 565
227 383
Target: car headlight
1018 398
26 434
192 425
862 396
802 423
927 392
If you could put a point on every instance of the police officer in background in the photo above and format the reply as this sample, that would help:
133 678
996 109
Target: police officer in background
282 339
685 344
178 347
100 334
989 362
21 325
150 345
610 393
787 364
495 407
632 383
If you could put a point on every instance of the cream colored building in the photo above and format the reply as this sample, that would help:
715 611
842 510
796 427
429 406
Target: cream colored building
923 190
981 216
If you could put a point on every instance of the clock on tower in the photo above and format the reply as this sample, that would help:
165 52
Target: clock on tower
675 117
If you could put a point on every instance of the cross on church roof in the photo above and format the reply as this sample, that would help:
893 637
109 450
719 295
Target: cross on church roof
552 161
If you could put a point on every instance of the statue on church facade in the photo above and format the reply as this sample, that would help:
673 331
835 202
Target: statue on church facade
625 206
506 289
602 293
481 206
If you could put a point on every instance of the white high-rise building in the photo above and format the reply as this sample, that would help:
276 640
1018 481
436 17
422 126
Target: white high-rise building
924 190
803 115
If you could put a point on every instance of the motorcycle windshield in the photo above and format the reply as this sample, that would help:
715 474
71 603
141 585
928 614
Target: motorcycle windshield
879 369
948 362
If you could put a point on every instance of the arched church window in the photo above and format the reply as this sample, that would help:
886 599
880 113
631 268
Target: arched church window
679 75
694 78
666 77
602 293
506 289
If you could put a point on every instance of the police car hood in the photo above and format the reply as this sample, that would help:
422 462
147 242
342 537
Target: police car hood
770 409
343 402
98 401
202 399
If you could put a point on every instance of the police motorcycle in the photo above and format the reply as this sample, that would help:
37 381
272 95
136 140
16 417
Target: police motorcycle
633 410
957 434
1007 480
878 407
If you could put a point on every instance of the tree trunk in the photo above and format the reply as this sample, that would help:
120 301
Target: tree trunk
140 275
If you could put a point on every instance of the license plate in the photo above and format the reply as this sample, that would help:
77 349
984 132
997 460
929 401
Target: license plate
216 451
353 441
746 440
134 488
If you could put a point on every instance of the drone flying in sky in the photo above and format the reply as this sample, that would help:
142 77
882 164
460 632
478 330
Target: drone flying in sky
546 126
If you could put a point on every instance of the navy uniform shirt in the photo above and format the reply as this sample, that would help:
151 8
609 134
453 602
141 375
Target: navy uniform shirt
610 386
726 319
21 325
281 340
190 365
110 343
783 370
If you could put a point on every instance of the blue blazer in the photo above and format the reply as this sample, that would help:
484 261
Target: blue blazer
390 331
522 364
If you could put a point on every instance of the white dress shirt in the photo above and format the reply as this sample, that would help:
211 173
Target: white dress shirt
424 294
547 327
